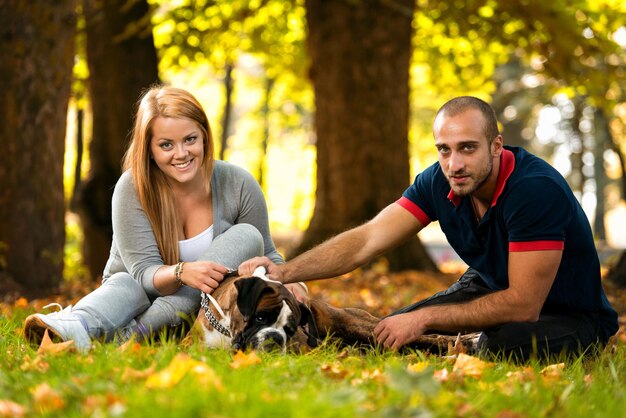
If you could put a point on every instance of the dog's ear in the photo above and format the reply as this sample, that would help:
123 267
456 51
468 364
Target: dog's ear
249 291
307 318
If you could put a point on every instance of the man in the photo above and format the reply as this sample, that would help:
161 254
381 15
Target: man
533 286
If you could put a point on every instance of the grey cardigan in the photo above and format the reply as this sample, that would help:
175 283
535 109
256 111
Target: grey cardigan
237 198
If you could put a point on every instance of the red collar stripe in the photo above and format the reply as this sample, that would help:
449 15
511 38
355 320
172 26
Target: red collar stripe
536 246
414 209
507 165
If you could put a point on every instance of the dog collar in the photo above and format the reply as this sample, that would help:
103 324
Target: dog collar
204 302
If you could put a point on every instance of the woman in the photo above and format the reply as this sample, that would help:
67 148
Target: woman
181 221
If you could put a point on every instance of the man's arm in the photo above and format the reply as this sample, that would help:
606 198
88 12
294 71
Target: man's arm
346 251
531 275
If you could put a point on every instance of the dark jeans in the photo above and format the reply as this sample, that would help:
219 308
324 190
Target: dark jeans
554 332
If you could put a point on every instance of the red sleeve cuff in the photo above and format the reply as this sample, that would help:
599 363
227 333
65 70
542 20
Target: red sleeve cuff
536 246
414 209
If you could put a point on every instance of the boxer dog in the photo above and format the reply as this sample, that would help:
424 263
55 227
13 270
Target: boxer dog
258 313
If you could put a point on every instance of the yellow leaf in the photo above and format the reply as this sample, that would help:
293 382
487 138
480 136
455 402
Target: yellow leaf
10 409
48 347
46 399
470 366
418 367
241 359
172 374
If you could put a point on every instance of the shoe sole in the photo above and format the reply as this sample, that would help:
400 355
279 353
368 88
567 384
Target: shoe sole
35 328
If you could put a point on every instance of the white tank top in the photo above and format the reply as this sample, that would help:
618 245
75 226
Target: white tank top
190 249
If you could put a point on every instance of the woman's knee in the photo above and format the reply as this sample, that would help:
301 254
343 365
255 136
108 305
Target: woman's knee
247 238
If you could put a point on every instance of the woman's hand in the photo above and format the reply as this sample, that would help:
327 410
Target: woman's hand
205 276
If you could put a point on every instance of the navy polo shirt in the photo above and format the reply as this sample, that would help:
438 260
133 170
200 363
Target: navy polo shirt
533 208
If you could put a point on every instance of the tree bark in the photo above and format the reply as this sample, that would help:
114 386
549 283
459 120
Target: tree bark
122 62
601 140
360 55
617 273
228 108
36 59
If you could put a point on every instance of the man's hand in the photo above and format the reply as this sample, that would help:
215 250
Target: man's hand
398 330
274 271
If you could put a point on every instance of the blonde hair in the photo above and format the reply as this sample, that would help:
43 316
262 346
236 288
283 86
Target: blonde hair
153 190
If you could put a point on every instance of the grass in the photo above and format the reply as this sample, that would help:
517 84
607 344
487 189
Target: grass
165 379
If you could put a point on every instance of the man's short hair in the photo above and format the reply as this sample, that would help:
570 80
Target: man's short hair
460 104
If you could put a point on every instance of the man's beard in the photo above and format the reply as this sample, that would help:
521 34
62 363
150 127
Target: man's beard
477 181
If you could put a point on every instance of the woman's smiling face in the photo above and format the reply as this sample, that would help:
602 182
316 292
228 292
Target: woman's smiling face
177 148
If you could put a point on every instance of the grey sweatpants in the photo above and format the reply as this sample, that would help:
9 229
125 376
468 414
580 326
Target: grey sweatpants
122 302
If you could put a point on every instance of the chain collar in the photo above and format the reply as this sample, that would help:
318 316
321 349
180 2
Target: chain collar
208 313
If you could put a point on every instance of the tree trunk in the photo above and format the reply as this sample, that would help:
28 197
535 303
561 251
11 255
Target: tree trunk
36 59
228 108
601 141
360 53
617 273
265 115
122 62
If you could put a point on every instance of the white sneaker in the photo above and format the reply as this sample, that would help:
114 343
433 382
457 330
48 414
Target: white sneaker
64 325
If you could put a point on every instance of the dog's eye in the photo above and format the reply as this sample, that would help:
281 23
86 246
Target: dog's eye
260 318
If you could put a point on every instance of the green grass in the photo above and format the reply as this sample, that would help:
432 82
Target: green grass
327 382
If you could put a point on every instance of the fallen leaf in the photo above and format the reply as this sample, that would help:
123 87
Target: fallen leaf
133 374
37 364
206 376
100 405
46 399
418 367
457 348
441 375
470 366
49 347
241 359
172 373
130 346
553 371
334 370
10 409
21 303
524 375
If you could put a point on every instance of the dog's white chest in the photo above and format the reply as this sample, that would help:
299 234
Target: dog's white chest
215 339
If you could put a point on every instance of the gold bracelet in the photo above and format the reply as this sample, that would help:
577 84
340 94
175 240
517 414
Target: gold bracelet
178 271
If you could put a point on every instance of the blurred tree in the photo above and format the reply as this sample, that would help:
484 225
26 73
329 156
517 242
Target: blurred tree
122 62
36 57
360 57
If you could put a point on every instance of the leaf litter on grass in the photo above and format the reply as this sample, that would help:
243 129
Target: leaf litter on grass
425 385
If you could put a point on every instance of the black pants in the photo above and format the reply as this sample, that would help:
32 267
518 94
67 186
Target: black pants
554 333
